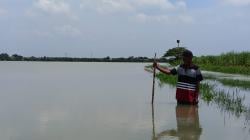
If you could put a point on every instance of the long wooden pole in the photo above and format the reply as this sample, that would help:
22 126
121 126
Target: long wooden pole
153 88
153 122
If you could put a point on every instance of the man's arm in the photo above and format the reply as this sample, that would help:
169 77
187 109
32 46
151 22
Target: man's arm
161 69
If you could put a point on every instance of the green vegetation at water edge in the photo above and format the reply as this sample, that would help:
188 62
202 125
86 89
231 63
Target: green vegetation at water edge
231 82
231 62
225 59
226 101
226 69
170 79
230 102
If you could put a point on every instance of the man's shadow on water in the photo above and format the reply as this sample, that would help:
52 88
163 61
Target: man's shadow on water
188 125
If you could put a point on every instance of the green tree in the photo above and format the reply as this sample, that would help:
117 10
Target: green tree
4 56
176 52
17 57
107 58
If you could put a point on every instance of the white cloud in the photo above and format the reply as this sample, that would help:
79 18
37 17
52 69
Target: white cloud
237 2
181 5
162 4
42 33
141 17
55 7
143 10
147 18
68 30
104 6
107 6
30 13
3 12
185 19
115 5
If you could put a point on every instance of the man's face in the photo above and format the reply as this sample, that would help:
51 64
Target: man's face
187 60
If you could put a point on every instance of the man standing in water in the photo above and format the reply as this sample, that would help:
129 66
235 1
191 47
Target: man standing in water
189 77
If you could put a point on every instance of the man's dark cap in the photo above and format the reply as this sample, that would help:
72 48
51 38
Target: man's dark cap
187 53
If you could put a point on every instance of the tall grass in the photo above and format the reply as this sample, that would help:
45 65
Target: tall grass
226 59
170 79
230 102
231 62
226 69
206 91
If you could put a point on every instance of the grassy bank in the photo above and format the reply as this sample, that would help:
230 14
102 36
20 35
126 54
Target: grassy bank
231 82
226 69
170 79
232 62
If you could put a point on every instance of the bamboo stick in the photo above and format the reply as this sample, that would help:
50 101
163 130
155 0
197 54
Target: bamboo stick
153 88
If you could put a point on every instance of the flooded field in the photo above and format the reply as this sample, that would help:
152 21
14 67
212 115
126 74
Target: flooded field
111 101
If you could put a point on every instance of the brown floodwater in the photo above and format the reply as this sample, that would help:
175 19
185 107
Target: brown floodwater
107 101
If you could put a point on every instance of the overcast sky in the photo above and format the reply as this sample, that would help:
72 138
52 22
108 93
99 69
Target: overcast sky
114 28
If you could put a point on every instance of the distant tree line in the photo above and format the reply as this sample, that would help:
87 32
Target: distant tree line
16 57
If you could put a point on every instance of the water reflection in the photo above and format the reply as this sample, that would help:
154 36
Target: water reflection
188 124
